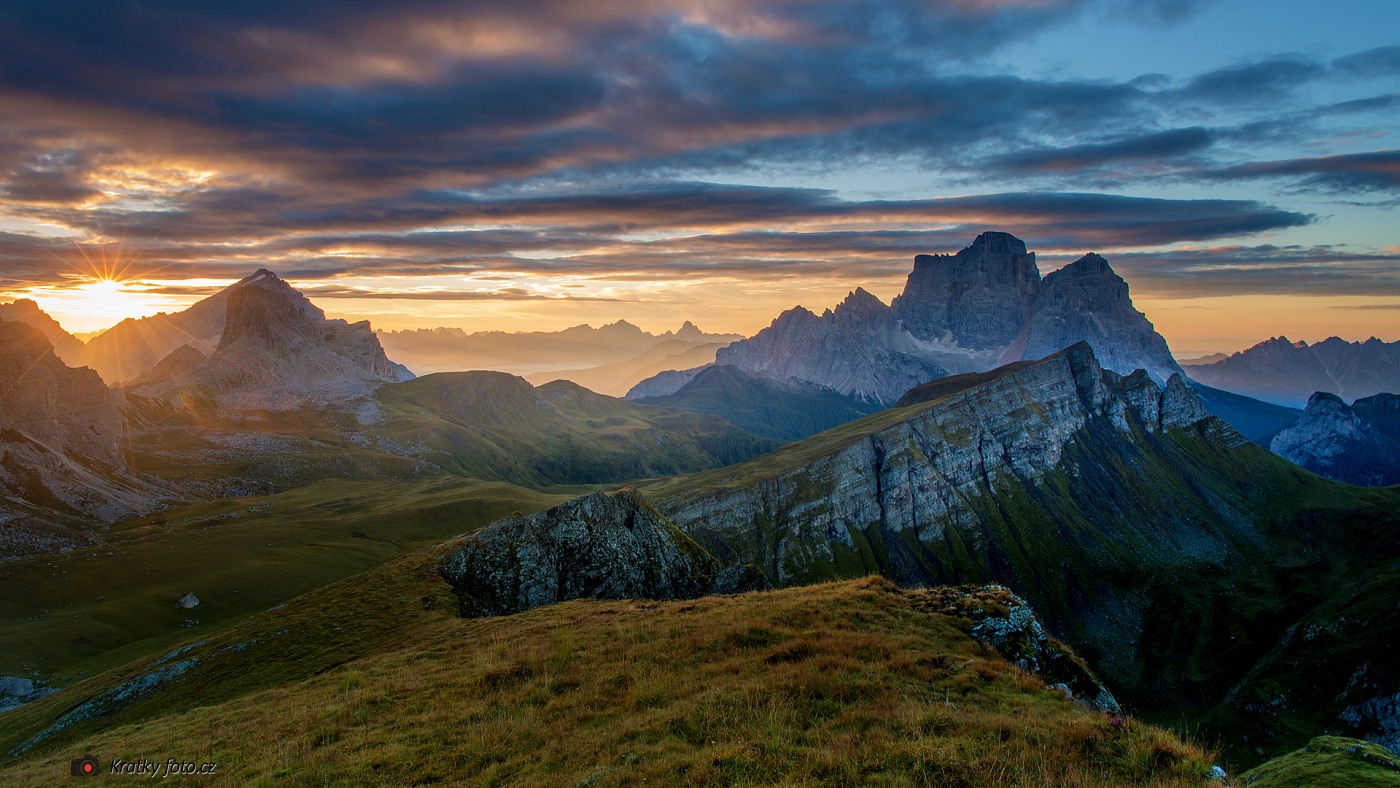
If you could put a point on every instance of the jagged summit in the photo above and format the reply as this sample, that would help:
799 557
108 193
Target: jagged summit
972 311
257 343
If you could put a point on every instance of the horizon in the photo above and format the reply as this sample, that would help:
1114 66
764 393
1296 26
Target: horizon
529 169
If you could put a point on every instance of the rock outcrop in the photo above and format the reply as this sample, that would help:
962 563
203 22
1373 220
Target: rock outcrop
1357 444
1003 620
974 311
1287 373
601 546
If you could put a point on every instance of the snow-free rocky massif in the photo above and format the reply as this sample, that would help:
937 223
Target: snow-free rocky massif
971 312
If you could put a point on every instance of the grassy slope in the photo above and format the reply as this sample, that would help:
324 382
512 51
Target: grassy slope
374 681
1329 762
69 615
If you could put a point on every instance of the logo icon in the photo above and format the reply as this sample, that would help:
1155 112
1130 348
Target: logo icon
85 766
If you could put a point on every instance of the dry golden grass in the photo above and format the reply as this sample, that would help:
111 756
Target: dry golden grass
844 684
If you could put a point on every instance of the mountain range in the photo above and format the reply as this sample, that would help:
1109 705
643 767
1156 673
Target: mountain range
609 359
973 311
1289 373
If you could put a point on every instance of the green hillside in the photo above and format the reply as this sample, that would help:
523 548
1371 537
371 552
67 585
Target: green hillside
64 616
374 680
494 425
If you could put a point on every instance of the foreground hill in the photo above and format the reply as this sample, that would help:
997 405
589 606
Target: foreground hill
376 681
497 426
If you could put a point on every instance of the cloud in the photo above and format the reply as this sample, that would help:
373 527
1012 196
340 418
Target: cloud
1154 147
1269 80
1260 270
603 138
1372 63
1354 172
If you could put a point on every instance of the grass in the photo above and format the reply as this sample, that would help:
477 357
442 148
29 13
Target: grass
1328 762
843 683
68 616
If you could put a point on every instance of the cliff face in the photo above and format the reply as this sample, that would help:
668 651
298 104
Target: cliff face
915 478
974 311
66 346
601 546
1087 302
853 350
1357 444
979 298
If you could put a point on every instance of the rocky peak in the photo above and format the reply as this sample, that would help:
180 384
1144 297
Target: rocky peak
264 317
689 331
1090 265
979 298
861 305
1357 444
266 280
1088 301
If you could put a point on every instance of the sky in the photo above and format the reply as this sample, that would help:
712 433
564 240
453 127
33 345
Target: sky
535 164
